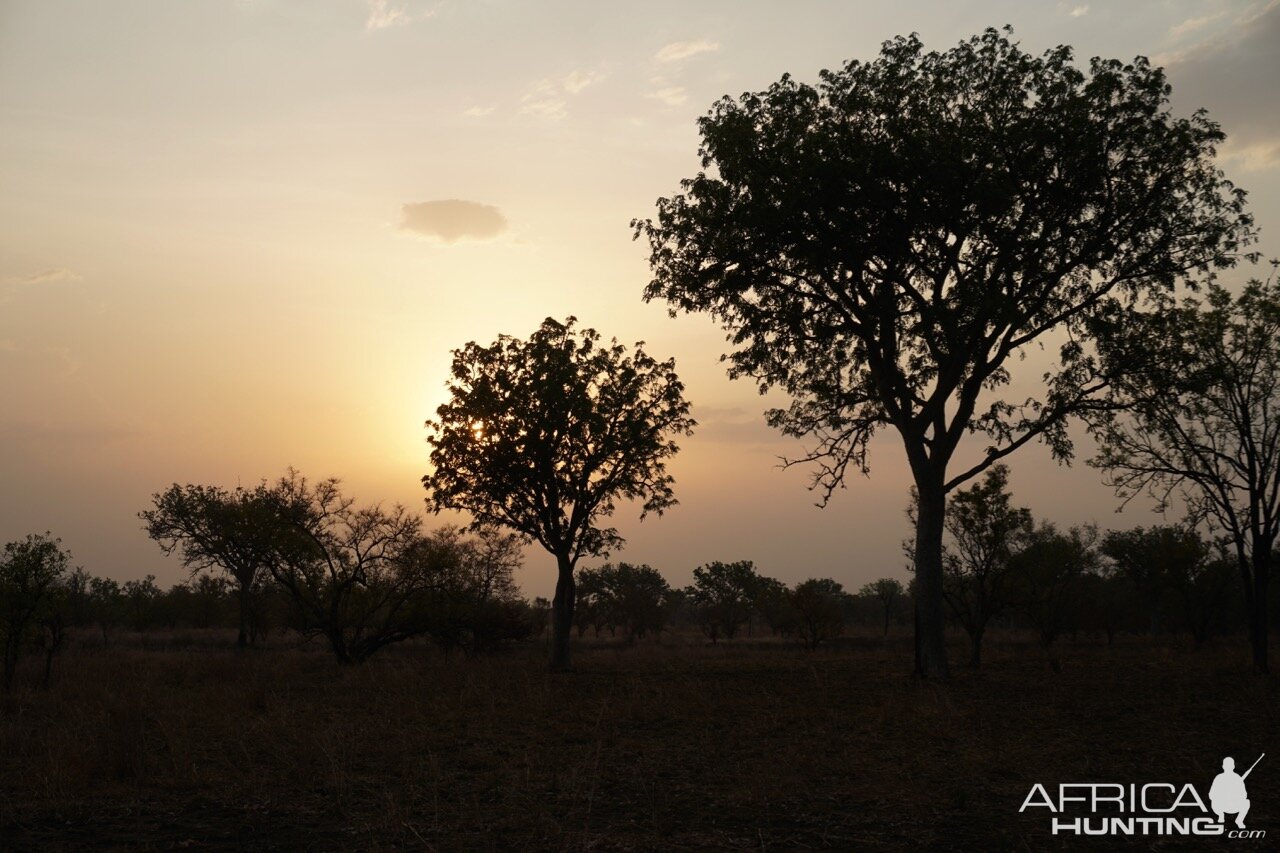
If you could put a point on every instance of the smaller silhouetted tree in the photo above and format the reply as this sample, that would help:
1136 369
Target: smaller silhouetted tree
355 575
773 601
888 592
1108 602
106 605
470 597
1047 579
1201 588
66 606
216 529
140 598
1149 558
984 530
723 596
30 569
588 608
820 606
632 598
545 436
1196 390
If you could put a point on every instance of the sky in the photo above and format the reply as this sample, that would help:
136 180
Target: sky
243 235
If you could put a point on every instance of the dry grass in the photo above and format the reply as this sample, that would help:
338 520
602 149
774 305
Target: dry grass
751 746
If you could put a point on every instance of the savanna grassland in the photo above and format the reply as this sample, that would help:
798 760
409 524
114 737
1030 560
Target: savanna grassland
176 741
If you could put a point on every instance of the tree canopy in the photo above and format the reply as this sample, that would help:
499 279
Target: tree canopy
30 569
215 529
884 244
1196 388
546 435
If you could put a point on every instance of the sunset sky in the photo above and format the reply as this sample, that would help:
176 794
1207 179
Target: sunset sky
239 235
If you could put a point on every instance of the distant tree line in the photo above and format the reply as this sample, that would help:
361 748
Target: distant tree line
457 590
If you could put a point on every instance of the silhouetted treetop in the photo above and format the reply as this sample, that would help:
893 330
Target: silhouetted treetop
544 436
880 245
1196 383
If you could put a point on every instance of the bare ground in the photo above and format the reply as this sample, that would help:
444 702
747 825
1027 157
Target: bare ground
756 746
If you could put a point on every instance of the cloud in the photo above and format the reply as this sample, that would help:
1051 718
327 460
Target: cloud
679 50
55 274
548 98
453 219
11 284
383 14
672 96
1190 25
544 100
576 81
733 425
1233 74
386 13
477 112
1079 11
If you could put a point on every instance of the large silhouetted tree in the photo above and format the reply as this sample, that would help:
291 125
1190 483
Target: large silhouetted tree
229 531
546 435
1200 381
884 245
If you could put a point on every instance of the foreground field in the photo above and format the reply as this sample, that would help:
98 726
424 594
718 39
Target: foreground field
750 746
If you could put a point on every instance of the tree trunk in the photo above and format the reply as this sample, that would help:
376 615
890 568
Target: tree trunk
10 662
562 614
1261 599
56 635
931 649
243 640
975 648
338 643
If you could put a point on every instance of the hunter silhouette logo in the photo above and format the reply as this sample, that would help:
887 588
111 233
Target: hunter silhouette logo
1227 795
1154 808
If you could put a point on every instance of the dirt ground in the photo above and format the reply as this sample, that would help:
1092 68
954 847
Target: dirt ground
187 744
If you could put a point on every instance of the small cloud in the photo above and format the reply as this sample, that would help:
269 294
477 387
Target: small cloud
733 425
1079 11
453 219
576 81
679 50
545 101
1190 25
383 14
50 275
548 98
673 96
11 284
477 112
1252 158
